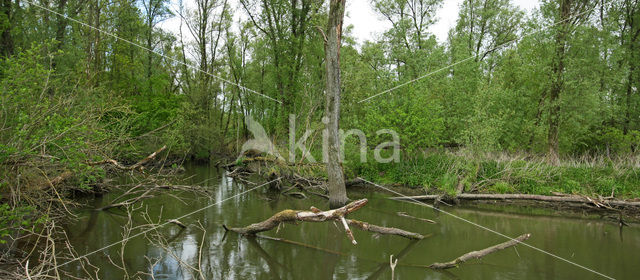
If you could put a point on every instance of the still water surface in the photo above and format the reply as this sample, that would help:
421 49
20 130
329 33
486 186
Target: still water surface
594 243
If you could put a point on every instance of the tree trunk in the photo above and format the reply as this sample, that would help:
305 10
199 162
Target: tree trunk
557 82
316 215
6 40
599 202
337 190
61 22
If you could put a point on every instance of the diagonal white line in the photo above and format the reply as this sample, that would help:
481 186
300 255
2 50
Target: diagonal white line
470 57
488 229
157 226
150 50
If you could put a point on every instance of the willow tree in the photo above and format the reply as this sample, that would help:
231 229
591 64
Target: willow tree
337 190
569 15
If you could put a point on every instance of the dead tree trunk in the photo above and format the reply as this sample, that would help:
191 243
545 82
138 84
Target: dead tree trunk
316 215
481 253
336 186
547 198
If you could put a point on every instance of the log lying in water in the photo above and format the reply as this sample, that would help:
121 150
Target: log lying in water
481 253
316 215
547 198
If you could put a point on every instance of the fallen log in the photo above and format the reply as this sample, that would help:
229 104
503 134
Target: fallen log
481 253
535 197
316 215
291 216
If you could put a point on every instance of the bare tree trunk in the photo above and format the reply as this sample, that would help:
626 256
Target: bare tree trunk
337 190
288 216
316 215
605 203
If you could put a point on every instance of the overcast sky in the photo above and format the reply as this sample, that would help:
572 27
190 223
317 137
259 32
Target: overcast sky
366 23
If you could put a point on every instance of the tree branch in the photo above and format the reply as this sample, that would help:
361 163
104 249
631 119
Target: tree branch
481 253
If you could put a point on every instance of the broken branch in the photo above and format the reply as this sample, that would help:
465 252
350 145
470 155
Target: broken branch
384 230
316 215
405 214
481 253
290 216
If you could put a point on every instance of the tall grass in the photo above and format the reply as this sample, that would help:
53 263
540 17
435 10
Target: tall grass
442 171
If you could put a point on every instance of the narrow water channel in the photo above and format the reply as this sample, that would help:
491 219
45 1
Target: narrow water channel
594 243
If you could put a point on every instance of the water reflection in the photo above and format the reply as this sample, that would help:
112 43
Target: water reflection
321 250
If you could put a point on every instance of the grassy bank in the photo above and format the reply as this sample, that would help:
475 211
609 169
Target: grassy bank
443 172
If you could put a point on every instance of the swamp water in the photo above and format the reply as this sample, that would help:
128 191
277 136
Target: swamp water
596 244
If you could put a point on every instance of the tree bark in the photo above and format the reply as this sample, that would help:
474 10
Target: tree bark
546 198
288 216
481 253
6 42
384 230
316 215
336 186
557 80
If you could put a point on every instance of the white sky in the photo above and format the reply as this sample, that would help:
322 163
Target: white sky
366 23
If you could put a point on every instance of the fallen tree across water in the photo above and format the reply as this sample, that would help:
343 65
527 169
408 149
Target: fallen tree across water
481 253
316 215
598 202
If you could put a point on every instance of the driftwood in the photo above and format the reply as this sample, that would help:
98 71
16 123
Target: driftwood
316 215
290 216
566 198
481 253
138 165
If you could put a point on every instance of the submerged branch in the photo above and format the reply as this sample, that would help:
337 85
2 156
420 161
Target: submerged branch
481 253
384 230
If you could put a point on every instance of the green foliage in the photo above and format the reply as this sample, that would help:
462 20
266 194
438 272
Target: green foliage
86 96
442 172
16 218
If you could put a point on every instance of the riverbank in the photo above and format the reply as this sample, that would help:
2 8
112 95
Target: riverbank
607 187
448 238
451 173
